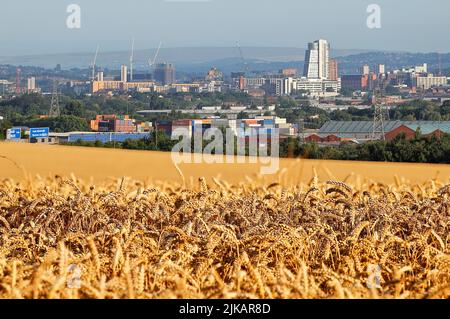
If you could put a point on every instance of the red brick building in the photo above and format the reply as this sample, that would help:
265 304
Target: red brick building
402 129
334 70
356 82
314 138
410 132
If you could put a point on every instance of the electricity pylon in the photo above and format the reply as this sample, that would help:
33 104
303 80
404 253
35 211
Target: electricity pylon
380 116
55 110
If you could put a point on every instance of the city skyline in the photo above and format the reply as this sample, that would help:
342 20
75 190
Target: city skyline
40 28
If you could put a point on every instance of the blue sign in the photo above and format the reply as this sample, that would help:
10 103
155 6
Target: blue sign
15 133
41 132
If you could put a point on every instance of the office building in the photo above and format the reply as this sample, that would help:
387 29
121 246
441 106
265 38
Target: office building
255 82
355 82
290 72
317 60
123 74
31 84
317 87
381 69
313 87
283 87
100 76
334 70
164 73
105 86
421 68
365 70
429 81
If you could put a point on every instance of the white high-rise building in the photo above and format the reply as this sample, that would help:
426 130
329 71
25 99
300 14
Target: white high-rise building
100 76
317 59
123 73
365 70
31 84
421 68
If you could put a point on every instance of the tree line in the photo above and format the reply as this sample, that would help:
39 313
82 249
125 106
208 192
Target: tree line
420 149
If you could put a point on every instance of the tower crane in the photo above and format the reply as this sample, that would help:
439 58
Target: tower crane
132 59
151 62
245 64
94 63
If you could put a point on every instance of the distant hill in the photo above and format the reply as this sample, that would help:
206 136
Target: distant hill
179 56
229 65
259 59
393 60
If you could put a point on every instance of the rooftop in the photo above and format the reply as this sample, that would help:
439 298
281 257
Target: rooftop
349 127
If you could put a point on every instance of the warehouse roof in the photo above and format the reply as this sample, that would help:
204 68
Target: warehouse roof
365 127
430 128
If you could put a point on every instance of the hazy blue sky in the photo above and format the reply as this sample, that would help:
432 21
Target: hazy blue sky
39 26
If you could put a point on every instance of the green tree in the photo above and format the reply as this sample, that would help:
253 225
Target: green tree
75 108
4 126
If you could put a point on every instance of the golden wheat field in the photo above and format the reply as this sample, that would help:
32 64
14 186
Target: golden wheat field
316 230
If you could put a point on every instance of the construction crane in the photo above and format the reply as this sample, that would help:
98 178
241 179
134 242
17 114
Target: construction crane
151 62
245 64
132 59
440 63
94 63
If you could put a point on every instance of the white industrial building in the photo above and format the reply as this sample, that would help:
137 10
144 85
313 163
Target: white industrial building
429 81
315 87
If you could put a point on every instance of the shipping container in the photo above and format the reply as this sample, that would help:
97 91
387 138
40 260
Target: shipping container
220 122
182 123
163 122
280 121
185 128
250 122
